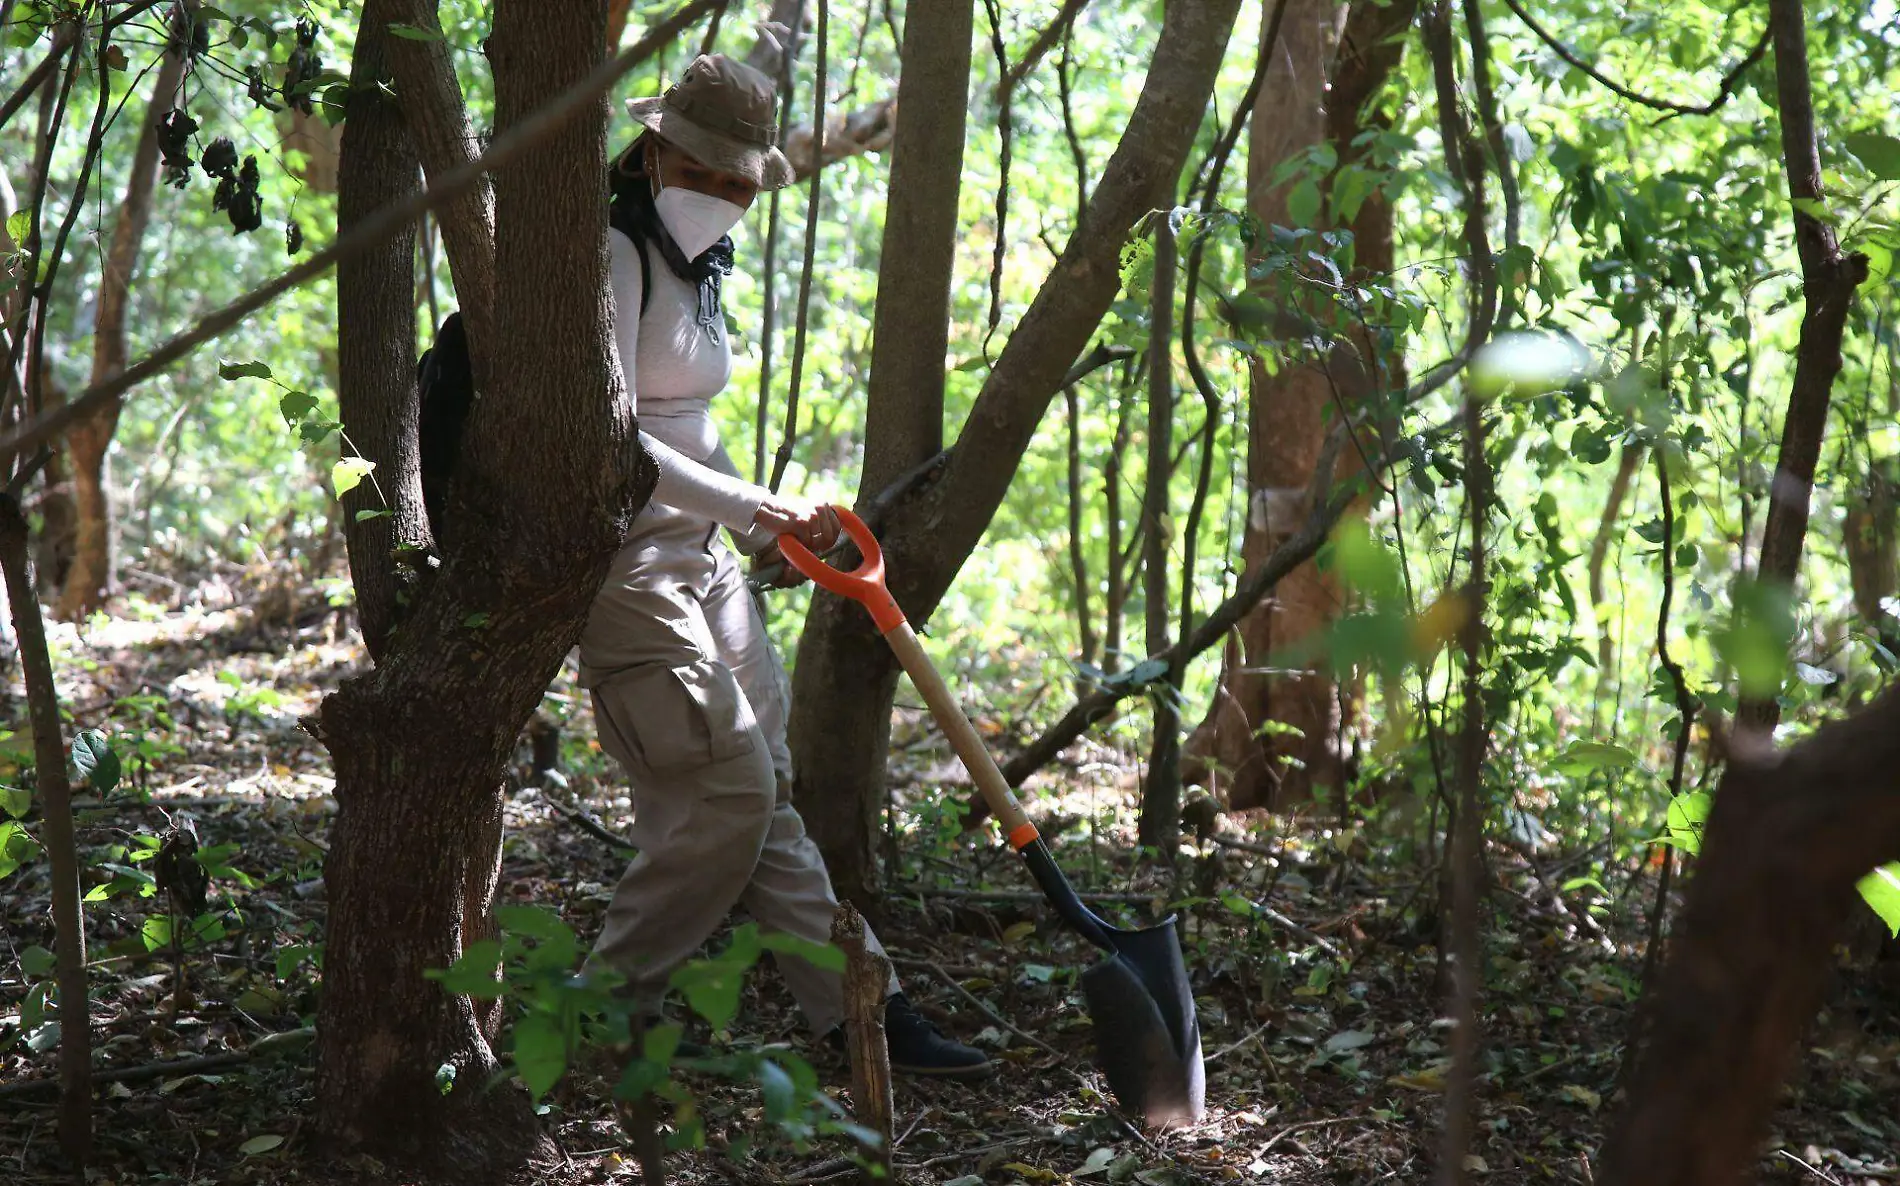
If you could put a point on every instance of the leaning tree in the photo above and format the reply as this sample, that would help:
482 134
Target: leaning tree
934 511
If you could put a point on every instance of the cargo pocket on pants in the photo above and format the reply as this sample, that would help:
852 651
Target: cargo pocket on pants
675 718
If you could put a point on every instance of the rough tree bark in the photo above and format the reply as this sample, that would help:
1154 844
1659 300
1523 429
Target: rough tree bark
549 476
843 730
376 343
89 570
1828 281
1160 823
1790 834
904 417
444 140
1300 106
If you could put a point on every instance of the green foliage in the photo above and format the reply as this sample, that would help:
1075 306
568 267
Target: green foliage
1881 891
556 1012
95 761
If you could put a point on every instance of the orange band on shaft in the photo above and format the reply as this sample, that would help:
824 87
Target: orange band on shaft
1024 836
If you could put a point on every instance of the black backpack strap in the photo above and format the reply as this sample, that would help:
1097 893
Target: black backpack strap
646 272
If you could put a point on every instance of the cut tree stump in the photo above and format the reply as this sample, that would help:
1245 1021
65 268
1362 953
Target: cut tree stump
866 973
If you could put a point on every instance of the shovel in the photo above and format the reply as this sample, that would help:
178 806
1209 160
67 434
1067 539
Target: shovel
1147 1040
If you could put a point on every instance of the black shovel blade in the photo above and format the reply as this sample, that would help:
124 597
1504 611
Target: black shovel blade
1147 1038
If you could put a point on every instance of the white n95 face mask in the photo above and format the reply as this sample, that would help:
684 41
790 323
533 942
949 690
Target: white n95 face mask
695 220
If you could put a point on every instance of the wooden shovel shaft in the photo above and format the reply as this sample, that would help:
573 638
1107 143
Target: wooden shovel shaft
963 736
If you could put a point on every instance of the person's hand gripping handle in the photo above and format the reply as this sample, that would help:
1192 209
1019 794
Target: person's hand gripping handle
865 584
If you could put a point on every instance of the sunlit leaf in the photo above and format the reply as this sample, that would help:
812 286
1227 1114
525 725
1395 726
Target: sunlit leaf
349 473
1881 890
1586 757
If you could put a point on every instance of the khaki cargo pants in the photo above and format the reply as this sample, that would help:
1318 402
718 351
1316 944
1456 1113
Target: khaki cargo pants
689 696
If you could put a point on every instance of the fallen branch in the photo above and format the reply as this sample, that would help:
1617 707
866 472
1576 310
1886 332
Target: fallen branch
1303 1126
521 139
275 1045
936 970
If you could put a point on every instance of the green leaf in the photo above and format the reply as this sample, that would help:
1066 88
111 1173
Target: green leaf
1584 757
316 430
1527 364
540 1052
349 473
44 1039
1590 445
1878 151
296 406
413 33
778 1092
18 223
819 955
660 1043
95 761
157 932
37 961
263 1144
33 1009
366 516
228 370
711 986
1755 640
15 801
1688 813
477 620
1302 202
17 847
475 974
1881 890
1814 208
1365 563
535 922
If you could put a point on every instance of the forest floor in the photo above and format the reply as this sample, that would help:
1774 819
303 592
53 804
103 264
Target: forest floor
1311 950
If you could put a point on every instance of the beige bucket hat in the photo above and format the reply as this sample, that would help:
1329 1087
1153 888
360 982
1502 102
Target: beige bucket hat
721 113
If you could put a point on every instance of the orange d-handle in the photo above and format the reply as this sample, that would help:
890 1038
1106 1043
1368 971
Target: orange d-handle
865 584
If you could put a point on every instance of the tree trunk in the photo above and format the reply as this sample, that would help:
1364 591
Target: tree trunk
1828 280
1273 738
840 656
550 475
439 127
89 569
1790 834
56 815
1869 539
376 344
1160 824
929 531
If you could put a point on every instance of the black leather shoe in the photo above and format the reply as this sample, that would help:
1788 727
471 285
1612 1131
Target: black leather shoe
918 1048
